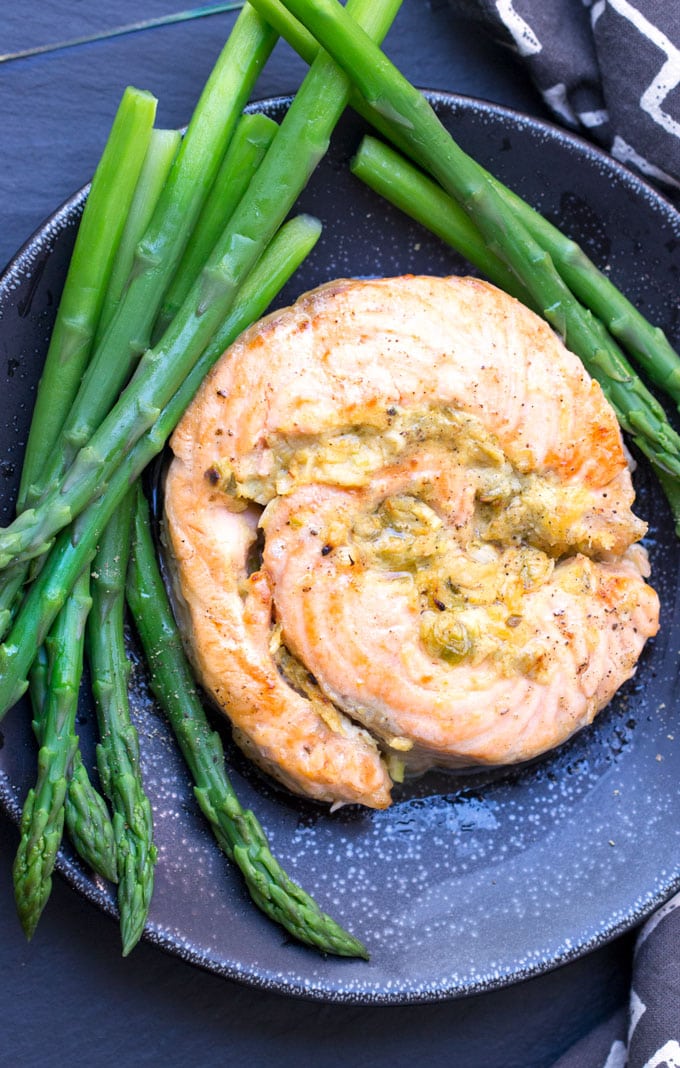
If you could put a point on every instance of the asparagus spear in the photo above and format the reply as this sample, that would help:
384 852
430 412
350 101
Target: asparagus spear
251 139
42 819
98 237
162 147
161 247
38 690
408 189
237 831
647 344
397 180
118 751
297 147
11 583
121 189
88 822
162 150
99 233
85 813
75 547
114 187
407 111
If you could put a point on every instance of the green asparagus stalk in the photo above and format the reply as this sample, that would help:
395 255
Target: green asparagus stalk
86 816
99 233
75 547
395 178
157 256
163 148
79 309
251 139
48 593
407 112
389 174
237 830
158 253
114 188
645 343
42 819
88 822
402 184
118 751
295 151
38 690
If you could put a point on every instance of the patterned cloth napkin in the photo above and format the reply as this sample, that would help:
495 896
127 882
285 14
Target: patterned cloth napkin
607 68
648 1036
611 70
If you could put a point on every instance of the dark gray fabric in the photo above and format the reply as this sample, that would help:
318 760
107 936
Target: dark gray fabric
608 68
603 1046
654 1023
650 1035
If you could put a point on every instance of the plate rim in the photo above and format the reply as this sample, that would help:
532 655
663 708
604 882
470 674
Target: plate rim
39 242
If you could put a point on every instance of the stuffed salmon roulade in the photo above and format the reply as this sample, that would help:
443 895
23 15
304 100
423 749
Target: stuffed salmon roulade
399 529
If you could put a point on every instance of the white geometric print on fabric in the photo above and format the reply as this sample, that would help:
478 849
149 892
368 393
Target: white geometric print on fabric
617 1057
668 76
609 68
656 919
556 99
668 1056
624 152
590 119
636 1011
597 10
524 37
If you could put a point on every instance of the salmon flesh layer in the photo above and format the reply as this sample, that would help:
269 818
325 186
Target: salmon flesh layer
399 529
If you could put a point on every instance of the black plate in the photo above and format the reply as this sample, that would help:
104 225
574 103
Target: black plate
468 882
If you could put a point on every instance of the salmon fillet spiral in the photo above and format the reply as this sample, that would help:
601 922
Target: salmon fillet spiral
399 529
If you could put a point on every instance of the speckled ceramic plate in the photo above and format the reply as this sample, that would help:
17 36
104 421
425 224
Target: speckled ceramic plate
471 881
